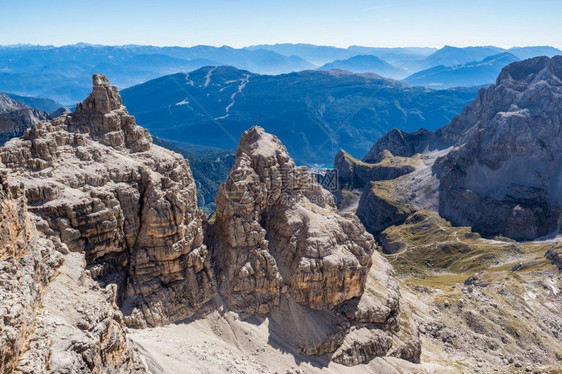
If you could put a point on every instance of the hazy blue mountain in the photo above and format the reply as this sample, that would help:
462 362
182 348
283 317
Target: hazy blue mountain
46 105
314 113
15 59
449 56
529 52
316 54
63 89
400 57
363 64
64 73
465 75
321 55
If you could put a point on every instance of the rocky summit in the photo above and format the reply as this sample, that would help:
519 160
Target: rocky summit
100 231
280 243
102 188
495 167
511 138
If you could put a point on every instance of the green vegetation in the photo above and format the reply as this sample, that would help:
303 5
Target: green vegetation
510 300
390 161
384 190
439 253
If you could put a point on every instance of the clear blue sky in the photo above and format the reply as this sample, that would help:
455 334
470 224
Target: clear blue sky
245 22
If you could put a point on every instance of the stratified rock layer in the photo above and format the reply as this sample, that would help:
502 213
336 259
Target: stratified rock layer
27 263
104 189
91 186
353 173
277 229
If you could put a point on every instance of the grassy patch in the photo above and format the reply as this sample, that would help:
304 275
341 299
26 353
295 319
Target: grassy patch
433 248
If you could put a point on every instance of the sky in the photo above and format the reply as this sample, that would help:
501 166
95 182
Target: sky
238 23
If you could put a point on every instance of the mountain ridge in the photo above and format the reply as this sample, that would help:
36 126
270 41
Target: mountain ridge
313 112
481 161
475 73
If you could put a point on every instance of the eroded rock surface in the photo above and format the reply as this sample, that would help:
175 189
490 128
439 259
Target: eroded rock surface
90 187
504 177
27 263
496 165
281 245
277 230
103 188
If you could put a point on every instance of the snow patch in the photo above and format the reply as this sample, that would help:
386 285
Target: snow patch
208 77
241 86
183 102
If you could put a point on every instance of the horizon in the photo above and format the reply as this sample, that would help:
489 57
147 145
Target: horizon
506 48
270 44
378 23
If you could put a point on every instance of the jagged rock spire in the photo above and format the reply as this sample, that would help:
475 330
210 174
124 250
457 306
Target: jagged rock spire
103 116
104 97
275 226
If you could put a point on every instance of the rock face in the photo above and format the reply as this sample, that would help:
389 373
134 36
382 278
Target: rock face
278 230
79 328
104 189
353 173
554 254
27 263
380 205
91 189
37 331
504 177
280 244
496 164
399 143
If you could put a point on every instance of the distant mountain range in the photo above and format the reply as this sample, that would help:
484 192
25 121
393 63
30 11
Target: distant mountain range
63 73
321 55
412 59
314 113
449 56
364 64
468 74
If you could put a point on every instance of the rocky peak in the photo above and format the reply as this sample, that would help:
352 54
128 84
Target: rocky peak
531 71
279 243
503 176
103 99
7 104
399 143
103 116
496 165
130 206
106 198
